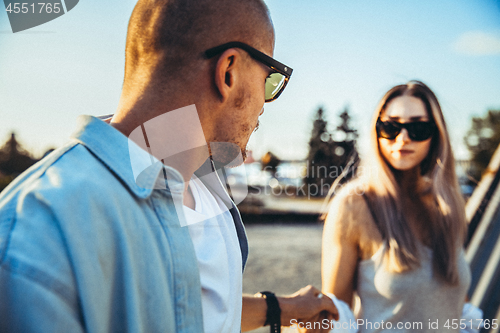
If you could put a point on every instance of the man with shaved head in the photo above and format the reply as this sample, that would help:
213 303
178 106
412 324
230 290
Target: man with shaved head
128 226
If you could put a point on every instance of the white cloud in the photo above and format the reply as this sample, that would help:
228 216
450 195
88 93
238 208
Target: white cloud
478 43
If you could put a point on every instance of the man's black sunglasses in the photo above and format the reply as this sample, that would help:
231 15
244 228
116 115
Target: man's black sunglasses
417 130
275 82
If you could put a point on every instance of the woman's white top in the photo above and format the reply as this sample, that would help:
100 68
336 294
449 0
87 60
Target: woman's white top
413 301
215 241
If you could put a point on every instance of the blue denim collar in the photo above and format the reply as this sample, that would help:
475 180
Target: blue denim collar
112 148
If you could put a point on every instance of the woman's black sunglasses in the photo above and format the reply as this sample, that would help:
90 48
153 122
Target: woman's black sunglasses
275 82
417 130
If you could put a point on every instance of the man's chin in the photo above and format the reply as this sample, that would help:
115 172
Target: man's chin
244 154
227 154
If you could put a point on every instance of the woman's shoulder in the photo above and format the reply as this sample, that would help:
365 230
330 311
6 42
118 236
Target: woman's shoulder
350 216
348 207
350 199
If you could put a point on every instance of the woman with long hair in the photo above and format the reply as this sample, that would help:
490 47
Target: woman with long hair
395 234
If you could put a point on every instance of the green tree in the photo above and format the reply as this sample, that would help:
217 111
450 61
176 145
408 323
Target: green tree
14 159
346 155
482 140
329 153
320 156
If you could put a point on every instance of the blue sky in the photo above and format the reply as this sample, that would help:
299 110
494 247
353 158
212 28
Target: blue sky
344 53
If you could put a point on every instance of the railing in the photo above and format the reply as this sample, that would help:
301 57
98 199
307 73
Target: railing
483 243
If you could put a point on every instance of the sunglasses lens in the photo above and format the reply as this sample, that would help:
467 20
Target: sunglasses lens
387 130
417 131
274 84
420 131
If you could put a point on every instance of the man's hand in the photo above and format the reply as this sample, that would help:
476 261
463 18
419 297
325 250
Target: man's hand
302 307
305 306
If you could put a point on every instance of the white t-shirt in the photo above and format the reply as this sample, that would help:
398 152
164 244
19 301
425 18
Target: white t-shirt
212 230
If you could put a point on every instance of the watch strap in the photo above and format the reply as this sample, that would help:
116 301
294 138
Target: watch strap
273 313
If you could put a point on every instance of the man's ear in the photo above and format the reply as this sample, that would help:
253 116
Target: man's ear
226 73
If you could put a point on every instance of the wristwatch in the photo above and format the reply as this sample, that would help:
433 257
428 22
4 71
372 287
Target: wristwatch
273 314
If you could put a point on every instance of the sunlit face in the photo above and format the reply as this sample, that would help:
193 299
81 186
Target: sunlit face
402 153
255 80
242 120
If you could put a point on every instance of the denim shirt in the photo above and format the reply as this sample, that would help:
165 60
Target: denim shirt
84 248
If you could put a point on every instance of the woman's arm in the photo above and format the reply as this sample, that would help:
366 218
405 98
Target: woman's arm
340 250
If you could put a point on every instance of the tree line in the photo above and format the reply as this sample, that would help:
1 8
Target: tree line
327 149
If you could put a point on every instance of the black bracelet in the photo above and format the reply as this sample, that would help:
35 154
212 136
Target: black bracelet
273 314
